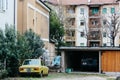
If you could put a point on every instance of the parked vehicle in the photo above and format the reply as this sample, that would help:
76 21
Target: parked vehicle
89 64
33 67
56 64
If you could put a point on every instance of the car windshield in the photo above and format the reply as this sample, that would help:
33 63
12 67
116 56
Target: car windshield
32 62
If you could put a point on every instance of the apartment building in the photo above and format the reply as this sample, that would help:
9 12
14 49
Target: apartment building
27 14
85 19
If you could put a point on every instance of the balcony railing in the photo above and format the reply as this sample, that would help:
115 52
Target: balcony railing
92 37
69 38
70 15
70 27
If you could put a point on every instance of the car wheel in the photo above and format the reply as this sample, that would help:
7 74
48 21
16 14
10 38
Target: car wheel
41 74
46 74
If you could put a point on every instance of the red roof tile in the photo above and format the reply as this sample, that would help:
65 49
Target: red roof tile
79 2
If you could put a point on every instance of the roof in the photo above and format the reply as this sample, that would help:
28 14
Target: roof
43 4
79 2
78 48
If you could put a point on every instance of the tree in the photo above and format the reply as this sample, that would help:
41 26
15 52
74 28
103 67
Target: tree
35 43
111 25
11 58
56 29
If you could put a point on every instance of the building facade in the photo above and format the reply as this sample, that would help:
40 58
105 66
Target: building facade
85 21
33 14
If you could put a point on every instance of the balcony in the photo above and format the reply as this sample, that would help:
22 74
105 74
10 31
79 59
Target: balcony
70 15
70 23
69 38
70 11
94 12
94 23
94 29
70 27
94 35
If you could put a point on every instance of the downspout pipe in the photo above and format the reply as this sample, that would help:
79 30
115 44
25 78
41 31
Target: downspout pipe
14 15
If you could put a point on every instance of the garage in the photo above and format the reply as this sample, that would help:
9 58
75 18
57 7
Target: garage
83 61
91 59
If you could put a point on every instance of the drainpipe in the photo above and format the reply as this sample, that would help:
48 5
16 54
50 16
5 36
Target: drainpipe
14 14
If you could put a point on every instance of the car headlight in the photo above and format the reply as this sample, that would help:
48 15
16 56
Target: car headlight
21 69
36 68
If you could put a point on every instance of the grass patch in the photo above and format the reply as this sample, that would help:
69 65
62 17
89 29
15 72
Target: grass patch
111 79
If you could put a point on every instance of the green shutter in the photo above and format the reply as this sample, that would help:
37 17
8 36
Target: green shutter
112 10
95 11
104 11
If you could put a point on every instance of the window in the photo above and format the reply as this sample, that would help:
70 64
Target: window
3 5
104 22
71 21
81 10
95 10
71 9
82 23
104 44
104 11
104 34
81 44
82 34
112 10
70 33
95 22
94 44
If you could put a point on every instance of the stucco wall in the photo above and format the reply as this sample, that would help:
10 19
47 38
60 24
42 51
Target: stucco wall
80 28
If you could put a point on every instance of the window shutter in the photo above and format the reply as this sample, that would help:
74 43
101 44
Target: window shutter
112 10
104 11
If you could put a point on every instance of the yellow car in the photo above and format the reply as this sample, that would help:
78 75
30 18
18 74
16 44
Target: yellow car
33 66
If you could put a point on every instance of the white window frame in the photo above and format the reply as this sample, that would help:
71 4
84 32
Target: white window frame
3 5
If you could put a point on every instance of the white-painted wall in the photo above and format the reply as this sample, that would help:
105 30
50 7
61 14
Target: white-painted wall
80 28
7 15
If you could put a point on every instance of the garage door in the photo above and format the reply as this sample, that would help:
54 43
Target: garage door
84 61
111 61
